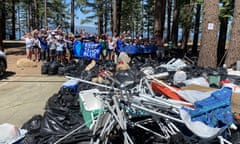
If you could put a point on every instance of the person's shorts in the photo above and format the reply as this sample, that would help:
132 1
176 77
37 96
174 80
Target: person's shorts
59 53
52 52
29 48
35 47
109 51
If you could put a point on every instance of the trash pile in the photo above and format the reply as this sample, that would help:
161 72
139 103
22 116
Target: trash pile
136 101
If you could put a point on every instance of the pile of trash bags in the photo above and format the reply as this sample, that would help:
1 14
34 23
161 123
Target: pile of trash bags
137 100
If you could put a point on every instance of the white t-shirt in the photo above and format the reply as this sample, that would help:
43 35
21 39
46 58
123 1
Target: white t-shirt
29 42
111 45
60 46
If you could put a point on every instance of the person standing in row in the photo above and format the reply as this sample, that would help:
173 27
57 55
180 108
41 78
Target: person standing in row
44 54
29 45
111 49
52 46
36 47
60 49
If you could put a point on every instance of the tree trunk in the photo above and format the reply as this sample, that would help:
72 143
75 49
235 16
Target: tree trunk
174 34
163 13
19 23
119 11
117 8
196 31
29 16
36 24
45 13
185 37
105 16
114 18
169 20
222 40
72 16
1 25
3 22
233 54
157 16
100 16
208 49
13 36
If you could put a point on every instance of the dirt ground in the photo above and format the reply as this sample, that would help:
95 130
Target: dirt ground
13 55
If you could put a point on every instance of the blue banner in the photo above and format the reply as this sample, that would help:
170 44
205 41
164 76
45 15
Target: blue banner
89 50
137 49
77 48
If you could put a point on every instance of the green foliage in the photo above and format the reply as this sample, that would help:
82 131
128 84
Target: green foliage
186 16
226 8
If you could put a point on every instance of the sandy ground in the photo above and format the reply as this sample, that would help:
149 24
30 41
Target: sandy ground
14 54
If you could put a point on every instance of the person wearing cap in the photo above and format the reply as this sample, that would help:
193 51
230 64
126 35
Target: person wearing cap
52 46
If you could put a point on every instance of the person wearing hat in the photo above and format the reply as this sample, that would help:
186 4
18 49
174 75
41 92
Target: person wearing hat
52 46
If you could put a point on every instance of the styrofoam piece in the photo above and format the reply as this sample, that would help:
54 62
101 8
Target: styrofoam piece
174 64
197 81
179 77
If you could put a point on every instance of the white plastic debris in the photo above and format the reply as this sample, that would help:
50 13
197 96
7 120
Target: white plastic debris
174 65
10 133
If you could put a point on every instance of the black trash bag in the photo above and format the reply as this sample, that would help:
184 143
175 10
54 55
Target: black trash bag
53 68
141 136
56 125
33 127
61 71
70 98
31 138
52 124
69 68
125 79
44 68
57 104
86 75
82 136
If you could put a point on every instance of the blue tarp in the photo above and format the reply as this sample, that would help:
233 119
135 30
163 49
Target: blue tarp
136 49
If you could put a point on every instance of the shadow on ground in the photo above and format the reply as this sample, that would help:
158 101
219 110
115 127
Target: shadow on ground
15 51
7 74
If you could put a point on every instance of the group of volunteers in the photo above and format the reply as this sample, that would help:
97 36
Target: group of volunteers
50 45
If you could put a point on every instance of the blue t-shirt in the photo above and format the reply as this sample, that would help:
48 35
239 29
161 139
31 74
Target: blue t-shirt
43 42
